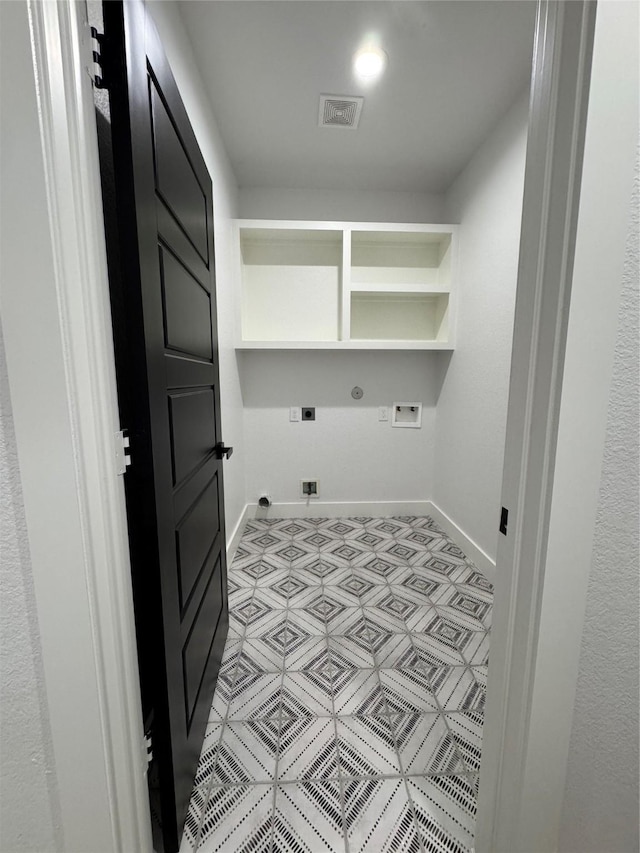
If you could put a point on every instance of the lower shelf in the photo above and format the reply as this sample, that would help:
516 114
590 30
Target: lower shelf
399 316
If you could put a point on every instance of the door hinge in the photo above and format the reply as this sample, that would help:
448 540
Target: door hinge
97 59
147 749
504 520
121 446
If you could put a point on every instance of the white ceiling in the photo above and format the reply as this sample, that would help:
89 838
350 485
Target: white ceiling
454 69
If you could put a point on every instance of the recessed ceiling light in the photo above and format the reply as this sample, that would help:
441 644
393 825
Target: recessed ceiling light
369 62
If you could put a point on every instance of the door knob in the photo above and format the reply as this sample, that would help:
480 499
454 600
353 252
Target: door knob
221 450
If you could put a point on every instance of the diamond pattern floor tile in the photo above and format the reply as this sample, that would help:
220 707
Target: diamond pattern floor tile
261 568
247 752
221 699
478 654
350 653
387 617
434 653
349 706
326 607
312 689
466 729
462 603
347 623
447 631
308 818
379 569
407 691
397 652
353 589
308 621
238 818
308 749
259 657
191 830
419 587
460 688
208 754
379 817
445 808
311 653
262 619
358 692
379 636
256 696
366 747
476 583
425 744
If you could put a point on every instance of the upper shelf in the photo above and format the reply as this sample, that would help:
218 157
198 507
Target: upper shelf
318 285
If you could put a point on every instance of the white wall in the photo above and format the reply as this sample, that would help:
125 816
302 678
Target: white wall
340 205
601 799
355 457
27 767
27 773
179 52
486 199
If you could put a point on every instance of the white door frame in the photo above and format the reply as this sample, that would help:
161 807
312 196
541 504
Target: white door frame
557 115
61 371
575 223
82 322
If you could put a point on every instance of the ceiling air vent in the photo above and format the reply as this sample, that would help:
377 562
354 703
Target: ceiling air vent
340 111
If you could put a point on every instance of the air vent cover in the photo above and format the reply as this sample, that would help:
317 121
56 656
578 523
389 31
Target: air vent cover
340 111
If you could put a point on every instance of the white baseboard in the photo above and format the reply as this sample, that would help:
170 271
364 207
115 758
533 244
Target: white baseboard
329 509
371 509
474 552
236 536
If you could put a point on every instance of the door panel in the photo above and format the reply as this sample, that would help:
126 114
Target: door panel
197 647
185 373
195 536
187 309
163 301
176 181
191 414
172 236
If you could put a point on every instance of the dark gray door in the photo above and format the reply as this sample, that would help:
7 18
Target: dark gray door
158 203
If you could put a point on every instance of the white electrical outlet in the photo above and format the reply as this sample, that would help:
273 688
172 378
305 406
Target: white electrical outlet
383 413
294 414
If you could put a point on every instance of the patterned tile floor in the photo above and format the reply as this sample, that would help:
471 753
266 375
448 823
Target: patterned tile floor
349 708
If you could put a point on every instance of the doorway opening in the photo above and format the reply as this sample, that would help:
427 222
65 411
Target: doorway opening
348 261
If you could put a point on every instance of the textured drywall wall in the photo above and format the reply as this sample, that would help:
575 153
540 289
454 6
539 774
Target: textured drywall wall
340 205
28 796
601 800
471 415
179 52
29 806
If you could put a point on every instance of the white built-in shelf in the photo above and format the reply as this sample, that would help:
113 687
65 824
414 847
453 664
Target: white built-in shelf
324 285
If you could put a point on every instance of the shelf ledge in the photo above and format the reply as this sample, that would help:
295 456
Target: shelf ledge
346 345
